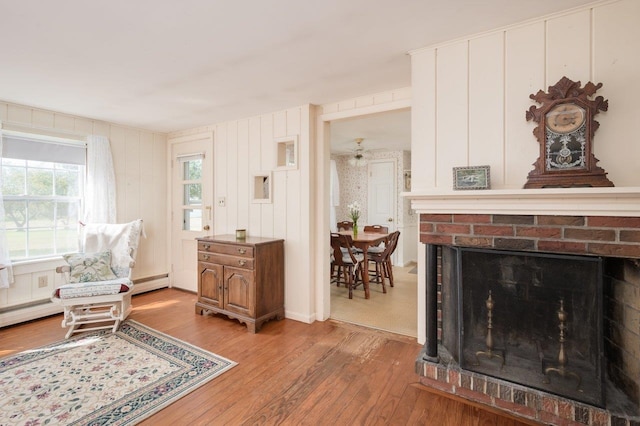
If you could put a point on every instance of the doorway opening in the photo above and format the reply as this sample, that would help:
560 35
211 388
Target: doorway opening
373 173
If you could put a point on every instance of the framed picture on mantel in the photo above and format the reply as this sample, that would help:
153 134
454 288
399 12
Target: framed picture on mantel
473 177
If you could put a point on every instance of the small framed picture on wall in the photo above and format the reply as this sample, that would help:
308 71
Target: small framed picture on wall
472 177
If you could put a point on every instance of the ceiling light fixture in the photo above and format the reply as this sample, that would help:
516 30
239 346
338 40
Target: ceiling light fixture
358 158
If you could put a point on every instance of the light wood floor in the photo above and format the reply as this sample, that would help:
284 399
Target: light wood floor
396 311
290 373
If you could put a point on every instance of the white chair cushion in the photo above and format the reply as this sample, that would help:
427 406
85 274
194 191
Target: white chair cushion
96 288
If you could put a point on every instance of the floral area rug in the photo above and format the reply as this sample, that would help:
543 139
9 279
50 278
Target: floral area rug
102 378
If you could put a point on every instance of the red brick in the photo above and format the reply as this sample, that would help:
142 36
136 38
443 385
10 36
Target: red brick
474 241
561 220
550 419
472 218
615 250
549 405
436 239
454 378
630 236
565 410
517 409
435 218
430 371
513 219
474 396
562 246
514 244
426 227
500 230
452 229
599 418
590 234
614 222
538 232
445 387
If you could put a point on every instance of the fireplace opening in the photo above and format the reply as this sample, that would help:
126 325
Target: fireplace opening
533 319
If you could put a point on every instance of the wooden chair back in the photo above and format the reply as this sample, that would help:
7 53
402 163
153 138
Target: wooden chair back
340 242
392 243
379 229
345 225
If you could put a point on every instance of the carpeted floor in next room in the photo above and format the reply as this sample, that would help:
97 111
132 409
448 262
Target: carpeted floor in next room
395 311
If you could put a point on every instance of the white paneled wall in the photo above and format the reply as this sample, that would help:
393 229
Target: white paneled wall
246 147
470 95
139 159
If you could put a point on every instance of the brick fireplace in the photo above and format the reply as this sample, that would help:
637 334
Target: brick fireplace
589 222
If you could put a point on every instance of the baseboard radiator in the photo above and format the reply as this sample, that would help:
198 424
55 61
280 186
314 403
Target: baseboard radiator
43 308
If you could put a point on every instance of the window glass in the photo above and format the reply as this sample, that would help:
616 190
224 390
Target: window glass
192 195
42 202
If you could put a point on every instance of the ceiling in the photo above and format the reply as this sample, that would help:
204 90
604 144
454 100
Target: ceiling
385 131
169 65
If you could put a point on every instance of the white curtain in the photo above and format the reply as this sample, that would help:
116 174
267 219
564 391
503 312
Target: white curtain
100 194
334 196
6 272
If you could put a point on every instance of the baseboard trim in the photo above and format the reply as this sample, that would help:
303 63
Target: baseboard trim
48 308
308 319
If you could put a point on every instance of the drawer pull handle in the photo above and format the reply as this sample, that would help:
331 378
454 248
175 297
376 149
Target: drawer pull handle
242 251
205 257
206 246
242 262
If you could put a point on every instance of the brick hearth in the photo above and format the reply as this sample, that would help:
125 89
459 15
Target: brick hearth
613 237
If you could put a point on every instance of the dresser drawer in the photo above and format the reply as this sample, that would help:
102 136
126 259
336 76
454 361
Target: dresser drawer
231 249
221 259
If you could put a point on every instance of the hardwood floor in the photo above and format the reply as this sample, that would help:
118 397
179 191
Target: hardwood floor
325 373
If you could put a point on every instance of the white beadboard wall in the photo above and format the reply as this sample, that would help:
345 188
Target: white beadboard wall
139 158
470 95
246 147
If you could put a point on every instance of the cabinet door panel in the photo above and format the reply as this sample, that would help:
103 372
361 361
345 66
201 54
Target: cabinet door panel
210 279
239 291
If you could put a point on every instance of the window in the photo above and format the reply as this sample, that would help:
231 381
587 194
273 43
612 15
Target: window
191 191
42 189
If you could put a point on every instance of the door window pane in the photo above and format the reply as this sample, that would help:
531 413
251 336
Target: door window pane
192 194
193 169
192 220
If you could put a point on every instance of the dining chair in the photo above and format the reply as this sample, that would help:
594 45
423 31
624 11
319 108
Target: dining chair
345 225
382 261
379 229
349 264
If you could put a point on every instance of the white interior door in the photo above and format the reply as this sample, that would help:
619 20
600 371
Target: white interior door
191 202
382 198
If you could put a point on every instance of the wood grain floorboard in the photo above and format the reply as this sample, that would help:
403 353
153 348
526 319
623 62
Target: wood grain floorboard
290 373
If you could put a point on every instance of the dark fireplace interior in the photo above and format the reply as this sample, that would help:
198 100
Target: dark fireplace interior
530 318
500 288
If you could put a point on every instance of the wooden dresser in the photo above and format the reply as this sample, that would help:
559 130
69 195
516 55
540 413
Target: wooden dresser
241 279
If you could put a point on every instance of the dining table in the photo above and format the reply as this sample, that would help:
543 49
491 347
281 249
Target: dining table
364 240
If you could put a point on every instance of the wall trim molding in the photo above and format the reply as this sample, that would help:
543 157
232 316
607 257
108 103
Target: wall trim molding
622 201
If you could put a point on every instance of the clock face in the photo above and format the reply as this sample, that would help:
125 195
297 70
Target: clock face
565 118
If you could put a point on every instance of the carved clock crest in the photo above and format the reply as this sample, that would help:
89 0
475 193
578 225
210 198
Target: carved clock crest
565 134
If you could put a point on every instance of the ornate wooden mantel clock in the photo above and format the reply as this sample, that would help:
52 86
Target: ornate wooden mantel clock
565 133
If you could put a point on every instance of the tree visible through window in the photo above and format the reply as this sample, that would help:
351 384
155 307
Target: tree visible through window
42 202
192 194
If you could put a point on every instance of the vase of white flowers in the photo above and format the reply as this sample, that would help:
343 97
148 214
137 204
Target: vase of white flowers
354 214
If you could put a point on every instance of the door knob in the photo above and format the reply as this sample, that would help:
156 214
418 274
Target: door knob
206 227
390 219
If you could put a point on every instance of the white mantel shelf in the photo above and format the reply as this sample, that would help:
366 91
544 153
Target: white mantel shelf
622 201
